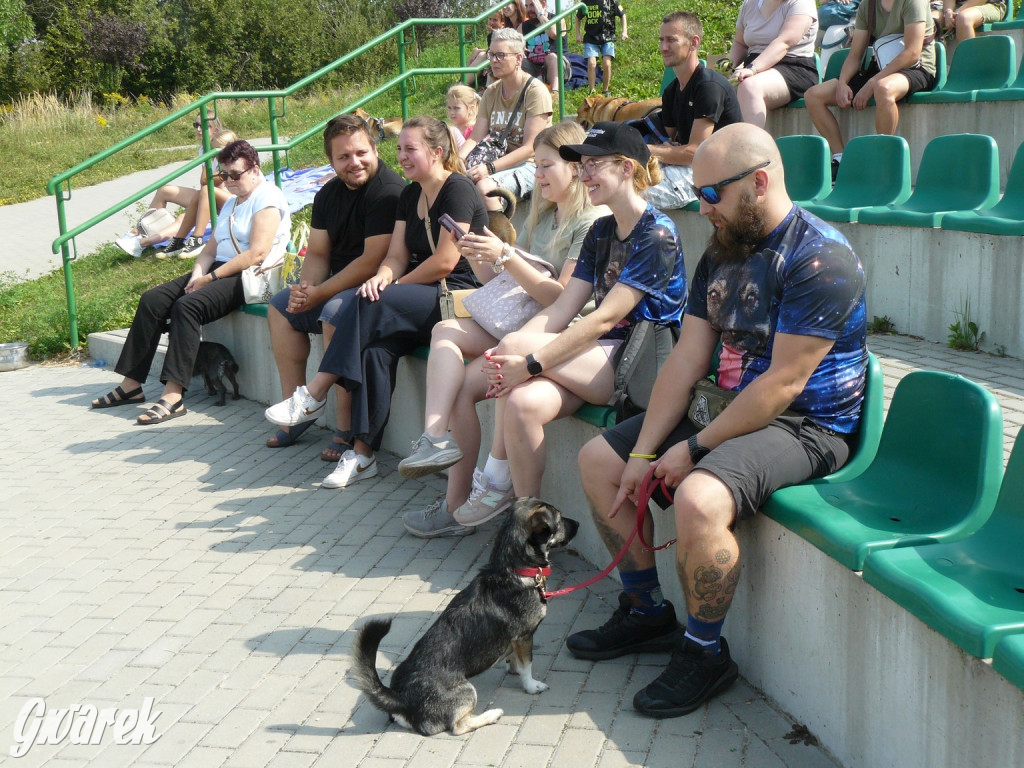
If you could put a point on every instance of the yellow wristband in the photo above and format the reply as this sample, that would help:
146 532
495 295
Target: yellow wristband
643 456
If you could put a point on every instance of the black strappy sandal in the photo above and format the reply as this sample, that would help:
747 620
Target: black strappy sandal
160 412
119 397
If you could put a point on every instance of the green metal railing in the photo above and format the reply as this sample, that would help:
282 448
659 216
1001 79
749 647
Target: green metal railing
60 185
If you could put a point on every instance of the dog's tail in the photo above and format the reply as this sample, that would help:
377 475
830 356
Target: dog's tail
364 665
509 207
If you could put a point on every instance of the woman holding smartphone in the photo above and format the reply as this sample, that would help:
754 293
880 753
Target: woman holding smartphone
560 217
631 262
394 311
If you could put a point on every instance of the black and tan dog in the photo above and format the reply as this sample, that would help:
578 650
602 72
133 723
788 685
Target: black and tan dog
494 617
216 363
597 109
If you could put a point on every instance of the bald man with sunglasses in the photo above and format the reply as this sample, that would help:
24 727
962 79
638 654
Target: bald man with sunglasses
783 293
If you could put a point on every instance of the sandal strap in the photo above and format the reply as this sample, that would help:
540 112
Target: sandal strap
109 399
154 415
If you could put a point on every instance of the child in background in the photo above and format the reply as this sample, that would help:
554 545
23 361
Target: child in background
462 101
598 38
497 20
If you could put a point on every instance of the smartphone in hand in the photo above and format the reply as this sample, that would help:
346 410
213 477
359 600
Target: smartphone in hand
448 223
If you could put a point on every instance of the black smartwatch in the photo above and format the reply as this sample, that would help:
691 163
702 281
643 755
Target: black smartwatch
533 366
214 275
697 451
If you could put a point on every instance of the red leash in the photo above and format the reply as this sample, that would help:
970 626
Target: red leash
647 490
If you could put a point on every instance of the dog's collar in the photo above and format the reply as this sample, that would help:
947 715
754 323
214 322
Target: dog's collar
534 573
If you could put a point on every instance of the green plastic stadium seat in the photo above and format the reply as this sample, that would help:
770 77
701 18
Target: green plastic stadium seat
872 416
256 310
1005 217
832 69
934 477
1013 92
971 159
807 165
1008 659
980 63
875 171
970 591
666 79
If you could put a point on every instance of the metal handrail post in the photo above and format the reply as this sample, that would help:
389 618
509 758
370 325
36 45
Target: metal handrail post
69 281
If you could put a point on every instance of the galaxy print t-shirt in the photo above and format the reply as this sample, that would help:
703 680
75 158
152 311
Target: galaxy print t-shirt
804 279
649 260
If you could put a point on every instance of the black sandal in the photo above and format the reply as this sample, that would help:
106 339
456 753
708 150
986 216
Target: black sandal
119 397
154 416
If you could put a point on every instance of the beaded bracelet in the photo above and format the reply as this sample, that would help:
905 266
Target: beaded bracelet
490 168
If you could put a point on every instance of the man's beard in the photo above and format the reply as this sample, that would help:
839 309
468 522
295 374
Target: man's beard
735 240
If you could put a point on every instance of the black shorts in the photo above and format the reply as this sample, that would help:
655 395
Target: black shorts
790 450
799 72
918 78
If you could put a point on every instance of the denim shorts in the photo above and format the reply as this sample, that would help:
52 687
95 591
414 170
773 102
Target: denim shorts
591 51
310 320
519 179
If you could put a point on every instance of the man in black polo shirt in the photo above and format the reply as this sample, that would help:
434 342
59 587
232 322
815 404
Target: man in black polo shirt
350 231
697 104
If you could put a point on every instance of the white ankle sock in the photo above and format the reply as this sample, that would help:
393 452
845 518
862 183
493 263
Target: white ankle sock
497 470
838 157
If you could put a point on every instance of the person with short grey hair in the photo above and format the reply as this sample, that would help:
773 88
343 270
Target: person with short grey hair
501 103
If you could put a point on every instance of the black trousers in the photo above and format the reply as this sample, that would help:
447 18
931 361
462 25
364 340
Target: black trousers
187 313
369 339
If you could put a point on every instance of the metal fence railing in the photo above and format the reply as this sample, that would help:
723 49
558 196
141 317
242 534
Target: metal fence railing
60 185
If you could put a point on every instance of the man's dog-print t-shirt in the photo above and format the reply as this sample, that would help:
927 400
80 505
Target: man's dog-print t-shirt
649 260
803 279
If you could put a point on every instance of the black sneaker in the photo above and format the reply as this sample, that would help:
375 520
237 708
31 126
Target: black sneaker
191 247
173 247
627 632
835 170
691 678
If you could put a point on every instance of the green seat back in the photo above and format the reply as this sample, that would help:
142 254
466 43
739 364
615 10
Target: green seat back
989 61
1005 217
872 417
969 158
666 79
875 171
934 477
835 64
1013 92
972 590
1008 659
807 166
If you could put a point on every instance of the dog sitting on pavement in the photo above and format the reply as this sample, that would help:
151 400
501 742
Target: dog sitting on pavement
494 617
596 109
216 363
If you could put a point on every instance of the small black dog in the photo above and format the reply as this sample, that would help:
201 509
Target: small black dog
215 361
494 617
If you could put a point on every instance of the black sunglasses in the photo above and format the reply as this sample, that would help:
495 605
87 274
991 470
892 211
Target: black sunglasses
711 193
233 175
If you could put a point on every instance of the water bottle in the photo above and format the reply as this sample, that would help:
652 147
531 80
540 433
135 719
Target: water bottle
100 363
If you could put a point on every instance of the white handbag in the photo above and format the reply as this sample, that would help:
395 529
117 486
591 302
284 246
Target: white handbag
261 281
887 48
153 221
502 305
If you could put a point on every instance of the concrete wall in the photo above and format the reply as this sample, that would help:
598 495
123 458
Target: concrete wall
920 123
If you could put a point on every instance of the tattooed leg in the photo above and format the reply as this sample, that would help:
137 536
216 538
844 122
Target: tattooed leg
707 553
600 469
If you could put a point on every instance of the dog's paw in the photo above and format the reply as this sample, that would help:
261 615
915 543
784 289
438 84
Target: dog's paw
534 686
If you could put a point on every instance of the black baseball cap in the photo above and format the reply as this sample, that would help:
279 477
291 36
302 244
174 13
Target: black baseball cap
608 139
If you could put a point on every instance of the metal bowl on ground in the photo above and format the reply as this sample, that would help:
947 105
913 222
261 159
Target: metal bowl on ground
13 355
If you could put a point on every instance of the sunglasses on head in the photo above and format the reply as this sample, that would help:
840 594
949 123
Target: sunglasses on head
233 175
712 193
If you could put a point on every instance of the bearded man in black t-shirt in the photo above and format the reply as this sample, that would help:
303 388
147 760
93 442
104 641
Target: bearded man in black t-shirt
695 105
350 231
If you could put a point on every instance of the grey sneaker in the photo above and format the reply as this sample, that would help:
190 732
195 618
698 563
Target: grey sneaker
486 501
429 455
433 522
191 247
173 248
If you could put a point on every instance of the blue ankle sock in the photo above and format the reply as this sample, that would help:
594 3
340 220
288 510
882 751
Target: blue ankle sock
705 633
644 590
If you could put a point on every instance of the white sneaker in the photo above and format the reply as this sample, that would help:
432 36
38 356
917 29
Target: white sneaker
351 469
298 409
486 501
130 244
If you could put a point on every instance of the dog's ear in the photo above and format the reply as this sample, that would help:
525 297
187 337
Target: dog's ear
543 522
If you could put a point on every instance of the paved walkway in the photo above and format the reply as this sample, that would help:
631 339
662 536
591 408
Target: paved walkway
187 563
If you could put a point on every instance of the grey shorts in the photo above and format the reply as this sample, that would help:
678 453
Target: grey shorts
311 320
790 450
519 179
